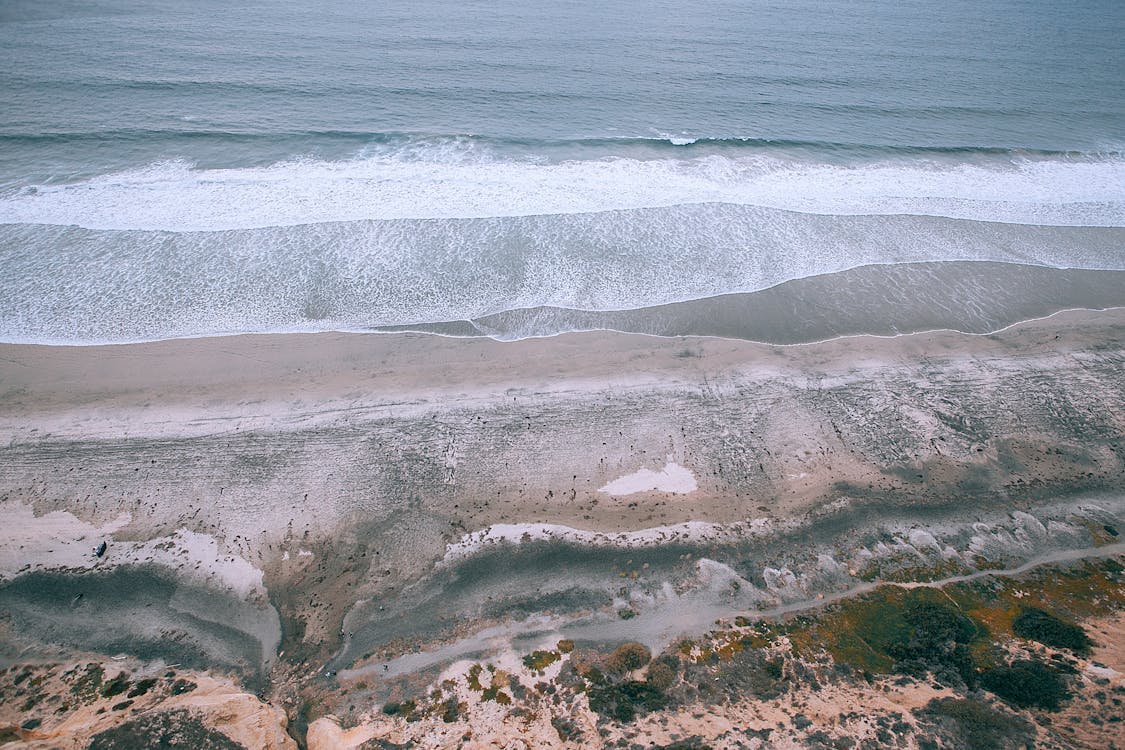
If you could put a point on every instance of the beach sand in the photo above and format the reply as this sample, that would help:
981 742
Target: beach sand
333 484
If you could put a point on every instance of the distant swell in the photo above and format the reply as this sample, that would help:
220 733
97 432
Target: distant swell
678 143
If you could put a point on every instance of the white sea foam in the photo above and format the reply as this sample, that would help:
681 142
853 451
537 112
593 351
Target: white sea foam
109 286
452 232
458 182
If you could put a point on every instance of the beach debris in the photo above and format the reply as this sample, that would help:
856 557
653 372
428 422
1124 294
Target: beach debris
100 551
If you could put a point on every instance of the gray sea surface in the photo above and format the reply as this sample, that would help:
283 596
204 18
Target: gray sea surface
183 169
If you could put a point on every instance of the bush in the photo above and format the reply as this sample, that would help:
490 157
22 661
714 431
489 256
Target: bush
624 701
1037 625
451 710
628 656
935 641
660 675
746 672
116 686
1027 684
937 623
540 660
566 728
976 725
171 729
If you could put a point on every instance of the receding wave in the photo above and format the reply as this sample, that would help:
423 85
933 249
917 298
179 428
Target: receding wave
73 285
466 177
885 300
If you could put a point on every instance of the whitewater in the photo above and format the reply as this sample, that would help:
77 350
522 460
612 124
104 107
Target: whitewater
440 179
447 233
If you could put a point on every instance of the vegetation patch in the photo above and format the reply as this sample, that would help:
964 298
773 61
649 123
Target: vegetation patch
914 631
89 683
495 691
452 710
474 678
407 709
907 566
141 687
171 729
937 638
116 686
181 686
567 729
540 660
1027 684
1039 625
496 694
626 700
627 657
747 673
974 724
660 675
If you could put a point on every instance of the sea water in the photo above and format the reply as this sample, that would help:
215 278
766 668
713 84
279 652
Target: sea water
183 169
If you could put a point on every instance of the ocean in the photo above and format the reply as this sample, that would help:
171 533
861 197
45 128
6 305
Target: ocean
776 171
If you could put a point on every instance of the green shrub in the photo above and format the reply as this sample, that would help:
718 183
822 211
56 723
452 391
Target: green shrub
1027 684
628 656
178 728
566 728
934 641
660 675
116 686
1038 625
451 710
623 702
540 660
976 725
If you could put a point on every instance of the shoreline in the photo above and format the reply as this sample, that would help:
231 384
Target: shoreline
979 297
184 388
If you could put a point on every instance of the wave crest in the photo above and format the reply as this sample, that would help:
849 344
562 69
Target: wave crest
467 177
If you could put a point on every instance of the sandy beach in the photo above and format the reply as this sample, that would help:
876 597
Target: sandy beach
333 501
396 445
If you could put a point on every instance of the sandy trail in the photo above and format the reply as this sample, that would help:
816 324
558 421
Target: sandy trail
662 625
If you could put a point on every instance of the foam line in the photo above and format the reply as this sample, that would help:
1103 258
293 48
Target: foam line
458 179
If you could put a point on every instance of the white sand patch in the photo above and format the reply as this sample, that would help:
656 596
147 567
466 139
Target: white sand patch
1105 673
55 539
61 540
672 478
690 531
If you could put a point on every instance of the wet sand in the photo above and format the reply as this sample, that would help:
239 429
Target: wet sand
881 300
